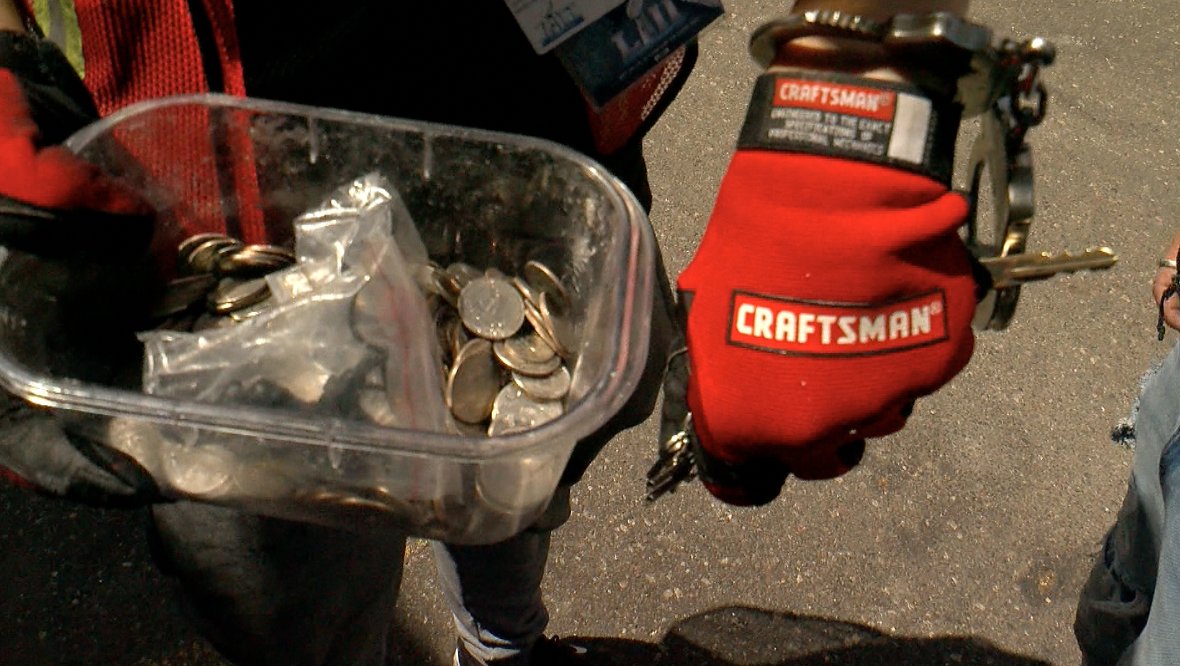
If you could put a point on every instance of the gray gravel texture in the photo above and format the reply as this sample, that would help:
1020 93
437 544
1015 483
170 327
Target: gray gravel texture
962 540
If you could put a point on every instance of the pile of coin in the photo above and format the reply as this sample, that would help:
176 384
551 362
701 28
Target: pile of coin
506 342
222 282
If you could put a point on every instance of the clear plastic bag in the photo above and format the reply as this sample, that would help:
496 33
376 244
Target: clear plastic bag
346 319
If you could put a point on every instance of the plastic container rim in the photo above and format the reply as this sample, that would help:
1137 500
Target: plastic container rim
601 401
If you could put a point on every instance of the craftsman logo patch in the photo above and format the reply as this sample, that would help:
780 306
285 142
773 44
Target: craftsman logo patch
808 328
821 96
843 116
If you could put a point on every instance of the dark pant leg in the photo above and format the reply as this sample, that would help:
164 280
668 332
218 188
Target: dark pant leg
1110 614
1159 643
494 591
272 592
1117 598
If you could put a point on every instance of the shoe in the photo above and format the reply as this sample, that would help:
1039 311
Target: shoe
546 652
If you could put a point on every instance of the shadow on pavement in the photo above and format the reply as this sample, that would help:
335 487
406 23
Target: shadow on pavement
77 586
742 636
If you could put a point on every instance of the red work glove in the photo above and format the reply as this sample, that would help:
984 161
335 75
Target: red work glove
58 217
831 288
49 177
51 202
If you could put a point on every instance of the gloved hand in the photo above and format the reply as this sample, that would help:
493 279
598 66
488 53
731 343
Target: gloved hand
60 221
831 288
50 201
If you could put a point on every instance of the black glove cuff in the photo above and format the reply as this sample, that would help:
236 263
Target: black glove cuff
751 483
59 102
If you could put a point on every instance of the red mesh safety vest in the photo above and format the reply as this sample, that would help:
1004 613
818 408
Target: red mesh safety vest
135 50
142 49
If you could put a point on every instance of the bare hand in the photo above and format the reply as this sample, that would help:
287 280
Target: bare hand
1163 280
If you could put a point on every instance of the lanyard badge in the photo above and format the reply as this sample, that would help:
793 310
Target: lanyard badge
548 23
609 45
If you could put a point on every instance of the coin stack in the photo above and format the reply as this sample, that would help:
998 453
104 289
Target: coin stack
222 282
505 341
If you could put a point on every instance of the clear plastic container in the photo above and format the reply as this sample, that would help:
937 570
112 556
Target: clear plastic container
213 162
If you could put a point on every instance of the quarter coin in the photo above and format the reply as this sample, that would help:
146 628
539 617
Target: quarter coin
535 369
460 274
546 281
558 324
514 411
186 247
137 439
529 294
429 279
456 337
253 260
523 349
551 387
352 501
204 257
233 294
473 382
203 471
533 314
491 308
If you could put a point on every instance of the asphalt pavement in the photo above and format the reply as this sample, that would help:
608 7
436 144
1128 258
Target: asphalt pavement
962 540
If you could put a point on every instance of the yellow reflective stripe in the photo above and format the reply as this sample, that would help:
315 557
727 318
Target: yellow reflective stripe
59 21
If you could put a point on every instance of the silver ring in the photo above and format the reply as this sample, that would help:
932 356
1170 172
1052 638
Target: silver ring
1168 263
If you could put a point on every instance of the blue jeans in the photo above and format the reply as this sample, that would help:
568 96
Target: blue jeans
494 592
1129 609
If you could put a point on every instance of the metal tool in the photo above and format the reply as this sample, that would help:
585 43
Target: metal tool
675 464
1016 269
1001 152
960 51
